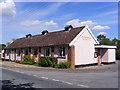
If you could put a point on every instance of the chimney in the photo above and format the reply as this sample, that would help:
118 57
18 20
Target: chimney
28 35
68 28
44 32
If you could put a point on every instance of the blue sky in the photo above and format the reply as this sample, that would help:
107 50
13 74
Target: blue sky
21 18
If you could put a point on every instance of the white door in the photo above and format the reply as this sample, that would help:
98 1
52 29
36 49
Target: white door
12 55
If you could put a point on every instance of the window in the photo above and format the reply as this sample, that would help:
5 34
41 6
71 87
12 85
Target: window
95 53
35 52
21 50
18 52
61 51
7 52
26 52
46 52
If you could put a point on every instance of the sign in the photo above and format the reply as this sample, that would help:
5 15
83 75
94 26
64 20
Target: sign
86 38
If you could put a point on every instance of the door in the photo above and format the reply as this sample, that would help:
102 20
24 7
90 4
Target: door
12 55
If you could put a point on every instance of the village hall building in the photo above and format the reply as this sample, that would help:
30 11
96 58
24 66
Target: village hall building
76 45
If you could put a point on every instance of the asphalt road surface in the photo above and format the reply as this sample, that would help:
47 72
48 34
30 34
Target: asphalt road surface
19 78
12 79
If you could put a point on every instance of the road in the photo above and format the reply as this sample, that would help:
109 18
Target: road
35 78
19 79
32 79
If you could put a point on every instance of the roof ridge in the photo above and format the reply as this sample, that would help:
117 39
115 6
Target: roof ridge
49 32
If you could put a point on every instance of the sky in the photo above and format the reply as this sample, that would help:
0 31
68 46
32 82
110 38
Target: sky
21 18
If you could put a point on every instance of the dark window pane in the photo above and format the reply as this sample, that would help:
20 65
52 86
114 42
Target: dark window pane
18 52
61 51
35 52
26 52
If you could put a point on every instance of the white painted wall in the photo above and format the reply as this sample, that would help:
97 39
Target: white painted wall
2 54
7 56
109 56
84 49
105 55
17 56
56 54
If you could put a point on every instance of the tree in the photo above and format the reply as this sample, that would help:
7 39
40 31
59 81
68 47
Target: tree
100 37
114 41
103 40
2 46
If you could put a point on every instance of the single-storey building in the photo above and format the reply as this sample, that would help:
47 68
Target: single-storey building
76 45
1 54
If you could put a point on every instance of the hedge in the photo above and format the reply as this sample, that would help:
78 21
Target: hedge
47 61
28 60
64 65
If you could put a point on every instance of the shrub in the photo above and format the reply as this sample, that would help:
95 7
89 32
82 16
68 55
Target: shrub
47 61
28 60
53 61
17 61
64 65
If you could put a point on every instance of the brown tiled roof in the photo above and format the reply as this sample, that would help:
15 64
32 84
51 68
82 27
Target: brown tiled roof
52 38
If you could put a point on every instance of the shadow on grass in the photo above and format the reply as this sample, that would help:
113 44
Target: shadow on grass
9 84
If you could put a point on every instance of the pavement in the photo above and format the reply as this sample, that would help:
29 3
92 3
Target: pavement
16 75
89 69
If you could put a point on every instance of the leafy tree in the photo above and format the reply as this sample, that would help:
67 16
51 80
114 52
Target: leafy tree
2 46
100 37
116 42
103 40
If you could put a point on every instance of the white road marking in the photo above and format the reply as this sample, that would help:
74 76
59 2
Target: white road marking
44 77
55 80
9 69
21 72
67 82
35 75
83 85
17 71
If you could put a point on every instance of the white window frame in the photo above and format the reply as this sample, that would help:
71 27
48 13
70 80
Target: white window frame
45 51
62 51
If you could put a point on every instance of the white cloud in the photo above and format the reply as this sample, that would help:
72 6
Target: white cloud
30 23
77 23
99 27
51 23
101 33
7 8
40 23
89 23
